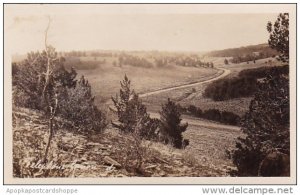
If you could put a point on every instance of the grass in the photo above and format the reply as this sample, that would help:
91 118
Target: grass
209 145
105 80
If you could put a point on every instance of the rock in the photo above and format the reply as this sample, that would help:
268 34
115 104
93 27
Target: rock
275 164
150 166
82 167
161 160
105 153
90 163
121 175
112 162
94 144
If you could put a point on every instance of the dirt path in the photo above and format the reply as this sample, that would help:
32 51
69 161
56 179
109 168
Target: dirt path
202 123
224 74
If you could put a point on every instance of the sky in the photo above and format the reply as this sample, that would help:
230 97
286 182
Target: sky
139 27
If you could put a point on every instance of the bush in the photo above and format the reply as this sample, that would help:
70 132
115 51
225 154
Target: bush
213 114
266 126
171 128
230 118
77 105
195 111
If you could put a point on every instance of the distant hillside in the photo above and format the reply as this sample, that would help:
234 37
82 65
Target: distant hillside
261 49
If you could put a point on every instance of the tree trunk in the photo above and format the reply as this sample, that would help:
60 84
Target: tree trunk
49 139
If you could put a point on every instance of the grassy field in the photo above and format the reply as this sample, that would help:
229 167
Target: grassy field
209 144
105 80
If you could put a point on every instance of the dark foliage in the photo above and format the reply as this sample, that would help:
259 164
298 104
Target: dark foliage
75 100
244 54
230 118
213 114
263 72
244 85
130 60
132 114
77 105
228 88
279 36
28 78
266 126
171 128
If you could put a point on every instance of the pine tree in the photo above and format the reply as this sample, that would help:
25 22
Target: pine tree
171 128
226 62
279 36
77 105
266 126
132 114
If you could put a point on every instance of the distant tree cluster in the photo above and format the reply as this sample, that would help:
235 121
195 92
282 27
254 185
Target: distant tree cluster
252 57
78 64
135 61
101 54
191 61
86 54
73 54
244 54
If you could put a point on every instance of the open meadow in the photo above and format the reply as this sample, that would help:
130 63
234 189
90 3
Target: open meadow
105 79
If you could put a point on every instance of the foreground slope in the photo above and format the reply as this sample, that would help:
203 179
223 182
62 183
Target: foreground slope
109 154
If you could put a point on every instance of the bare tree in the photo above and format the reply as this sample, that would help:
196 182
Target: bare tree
50 91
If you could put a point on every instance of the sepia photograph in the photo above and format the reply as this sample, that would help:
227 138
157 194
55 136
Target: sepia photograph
150 93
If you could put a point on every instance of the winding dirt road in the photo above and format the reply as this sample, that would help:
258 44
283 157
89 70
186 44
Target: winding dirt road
202 123
208 140
224 74
189 119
